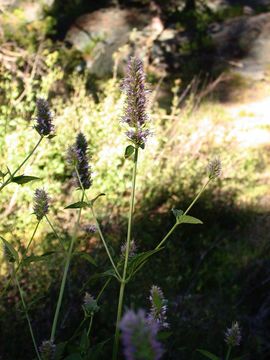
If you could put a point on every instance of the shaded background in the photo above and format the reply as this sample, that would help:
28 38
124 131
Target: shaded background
208 65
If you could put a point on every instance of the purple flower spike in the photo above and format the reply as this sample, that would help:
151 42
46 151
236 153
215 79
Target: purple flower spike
233 335
77 156
41 203
139 337
44 125
135 115
158 312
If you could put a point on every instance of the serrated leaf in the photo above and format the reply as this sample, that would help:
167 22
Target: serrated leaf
77 205
187 219
129 151
95 199
208 354
12 253
86 257
23 179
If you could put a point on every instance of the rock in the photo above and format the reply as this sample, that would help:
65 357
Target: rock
100 34
245 40
29 11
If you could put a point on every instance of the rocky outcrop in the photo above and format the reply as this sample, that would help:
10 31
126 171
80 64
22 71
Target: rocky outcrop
99 35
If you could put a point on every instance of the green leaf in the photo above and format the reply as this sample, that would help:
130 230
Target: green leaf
97 351
60 348
77 205
138 260
181 218
86 257
2 175
36 258
129 151
11 253
23 179
51 136
93 200
142 146
186 219
177 213
208 354
84 343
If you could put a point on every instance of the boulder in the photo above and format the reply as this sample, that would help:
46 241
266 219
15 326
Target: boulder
102 33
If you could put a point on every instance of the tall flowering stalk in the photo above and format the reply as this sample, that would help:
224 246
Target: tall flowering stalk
77 157
139 337
44 126
136 118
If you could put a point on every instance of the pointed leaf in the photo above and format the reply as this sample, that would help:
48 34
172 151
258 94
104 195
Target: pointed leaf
208 354
138 260
11 252
129 151
23 179
77 205
86 257
186 219
36 258
93 200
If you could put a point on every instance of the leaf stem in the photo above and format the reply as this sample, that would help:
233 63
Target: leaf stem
9 180
64 278
228 353
98 227
123 282
26 314
55 233
185 213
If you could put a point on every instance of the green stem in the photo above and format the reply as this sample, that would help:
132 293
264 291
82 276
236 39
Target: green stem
20 166
83 321
55 233
228 353
98 227
27 315
23 257
123 282
198 196
64 278
90 325
185 213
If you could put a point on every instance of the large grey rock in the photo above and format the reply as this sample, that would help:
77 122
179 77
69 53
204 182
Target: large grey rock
100 34
244 42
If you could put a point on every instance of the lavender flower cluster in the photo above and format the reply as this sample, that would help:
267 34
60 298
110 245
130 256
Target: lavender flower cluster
41 203
139 337
77 156
139 330
44 125
135 115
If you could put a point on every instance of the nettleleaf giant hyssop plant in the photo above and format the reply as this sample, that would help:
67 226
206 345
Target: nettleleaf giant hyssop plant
139 330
